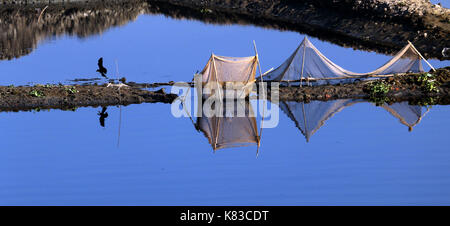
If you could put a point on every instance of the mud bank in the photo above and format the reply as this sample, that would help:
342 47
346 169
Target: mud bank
383 26
398 88
69 97
401 88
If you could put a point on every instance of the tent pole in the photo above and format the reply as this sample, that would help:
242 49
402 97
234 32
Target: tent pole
303 62
417 51
264 95
217 80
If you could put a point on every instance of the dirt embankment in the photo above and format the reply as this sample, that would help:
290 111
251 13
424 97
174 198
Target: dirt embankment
383 26
393 89
414 88
69 97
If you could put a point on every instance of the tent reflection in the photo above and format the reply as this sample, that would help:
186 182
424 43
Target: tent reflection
310 117
237 127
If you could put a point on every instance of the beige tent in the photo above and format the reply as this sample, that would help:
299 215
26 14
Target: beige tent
237 73
308 63
231 130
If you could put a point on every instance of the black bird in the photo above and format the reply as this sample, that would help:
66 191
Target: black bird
102 70
103 115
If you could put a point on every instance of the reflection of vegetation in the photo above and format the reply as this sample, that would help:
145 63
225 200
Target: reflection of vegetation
427 101
72 109
37 93
380 100
428 82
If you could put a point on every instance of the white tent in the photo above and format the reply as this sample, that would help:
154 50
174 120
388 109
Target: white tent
308 63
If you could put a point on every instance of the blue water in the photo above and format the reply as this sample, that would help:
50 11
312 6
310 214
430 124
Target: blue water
361 156
155 48
444 3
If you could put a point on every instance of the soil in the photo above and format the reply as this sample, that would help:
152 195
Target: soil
402 88
65 97
68 97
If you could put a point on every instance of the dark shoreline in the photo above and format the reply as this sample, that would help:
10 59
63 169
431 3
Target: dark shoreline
380 27
68 97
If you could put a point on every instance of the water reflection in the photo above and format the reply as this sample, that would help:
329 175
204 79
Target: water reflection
23 27
310 117
103 115
22 30
409 115
234 129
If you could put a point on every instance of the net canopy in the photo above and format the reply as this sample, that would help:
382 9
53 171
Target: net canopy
229 69
232 130
308 62
309 117
409 115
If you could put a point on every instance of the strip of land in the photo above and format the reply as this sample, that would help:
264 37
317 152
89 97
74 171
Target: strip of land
68 97
414 88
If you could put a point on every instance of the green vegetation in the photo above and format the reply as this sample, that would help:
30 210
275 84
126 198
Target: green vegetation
377 92
428 82
206 11
49 86
37 93
379 88
72 90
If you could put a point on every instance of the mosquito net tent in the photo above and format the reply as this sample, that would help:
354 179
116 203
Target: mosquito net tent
409 115
235 72
231 130
309 117
308 63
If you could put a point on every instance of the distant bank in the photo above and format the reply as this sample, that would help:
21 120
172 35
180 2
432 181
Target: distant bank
383 26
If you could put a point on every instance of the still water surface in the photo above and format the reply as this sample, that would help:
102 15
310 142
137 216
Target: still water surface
361 155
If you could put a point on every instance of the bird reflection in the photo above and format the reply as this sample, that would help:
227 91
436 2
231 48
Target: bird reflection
102 70
103 115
